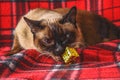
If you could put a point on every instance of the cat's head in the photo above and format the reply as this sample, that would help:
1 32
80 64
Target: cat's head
53 32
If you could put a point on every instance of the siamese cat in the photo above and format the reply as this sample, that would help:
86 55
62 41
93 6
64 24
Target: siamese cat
51 31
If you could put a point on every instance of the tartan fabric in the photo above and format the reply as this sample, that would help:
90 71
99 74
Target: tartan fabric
101 61
12 10
97 62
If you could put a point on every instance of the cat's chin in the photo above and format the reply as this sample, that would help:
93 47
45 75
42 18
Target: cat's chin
49 54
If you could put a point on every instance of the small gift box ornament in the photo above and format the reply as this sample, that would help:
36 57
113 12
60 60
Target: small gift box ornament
70 56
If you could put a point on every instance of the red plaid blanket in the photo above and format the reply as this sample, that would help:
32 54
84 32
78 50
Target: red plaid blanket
101 61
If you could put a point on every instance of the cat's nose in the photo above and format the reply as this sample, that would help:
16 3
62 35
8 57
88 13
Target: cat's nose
59 51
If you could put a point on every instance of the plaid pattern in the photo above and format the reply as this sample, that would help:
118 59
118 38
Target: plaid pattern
12 10
96 62
101 61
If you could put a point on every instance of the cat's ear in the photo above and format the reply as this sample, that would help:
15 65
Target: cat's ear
33 24
70 16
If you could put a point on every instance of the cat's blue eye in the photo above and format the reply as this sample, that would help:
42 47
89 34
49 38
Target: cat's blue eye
47 40
68 35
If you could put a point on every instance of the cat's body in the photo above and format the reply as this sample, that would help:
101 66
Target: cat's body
87 29
93 25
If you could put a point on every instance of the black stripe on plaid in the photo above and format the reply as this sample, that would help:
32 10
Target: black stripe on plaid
94 5
57 4
11 11
112 11
76 73
20 10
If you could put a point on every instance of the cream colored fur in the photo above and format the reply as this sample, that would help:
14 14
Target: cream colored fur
23 31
